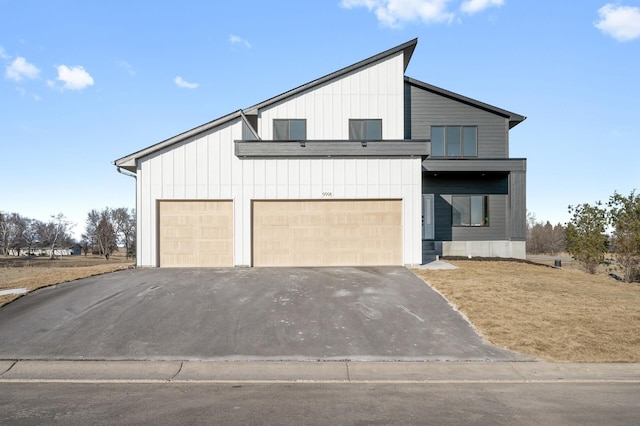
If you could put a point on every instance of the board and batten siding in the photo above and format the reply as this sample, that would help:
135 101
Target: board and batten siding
427 109
206 168
375 92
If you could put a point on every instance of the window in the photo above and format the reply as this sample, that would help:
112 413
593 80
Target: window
454 141
289 130
469 210
365 130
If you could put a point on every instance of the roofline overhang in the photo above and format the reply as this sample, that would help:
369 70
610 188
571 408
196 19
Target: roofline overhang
129 162
406 49
514 119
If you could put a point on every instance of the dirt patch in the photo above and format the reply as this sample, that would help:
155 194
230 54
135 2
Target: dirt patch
36 272
553 313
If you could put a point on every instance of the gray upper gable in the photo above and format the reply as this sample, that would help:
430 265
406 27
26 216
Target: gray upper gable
514 119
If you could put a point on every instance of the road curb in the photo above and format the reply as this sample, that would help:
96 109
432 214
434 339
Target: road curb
30 371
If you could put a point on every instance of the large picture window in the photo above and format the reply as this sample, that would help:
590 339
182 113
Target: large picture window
365 130
454 141
289 130
469 210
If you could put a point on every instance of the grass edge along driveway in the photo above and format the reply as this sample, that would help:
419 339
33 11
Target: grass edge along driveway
551 313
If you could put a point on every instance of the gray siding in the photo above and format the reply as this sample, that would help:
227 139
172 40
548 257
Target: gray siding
495 186
518 191
497 229
427 109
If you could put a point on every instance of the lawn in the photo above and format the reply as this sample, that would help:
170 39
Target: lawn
35 272
558 314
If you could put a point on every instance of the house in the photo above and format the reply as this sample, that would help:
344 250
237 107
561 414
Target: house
363 166
41 251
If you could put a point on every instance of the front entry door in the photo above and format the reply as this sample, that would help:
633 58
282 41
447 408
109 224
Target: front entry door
427 217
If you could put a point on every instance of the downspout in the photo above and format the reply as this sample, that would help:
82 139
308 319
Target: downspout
132 175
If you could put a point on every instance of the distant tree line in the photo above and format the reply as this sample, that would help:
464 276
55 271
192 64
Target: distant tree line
105 231
594 231
544 238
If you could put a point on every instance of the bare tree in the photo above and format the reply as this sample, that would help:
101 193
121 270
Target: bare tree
84 244
101 231
12 232
125 222
30 234
55 233
4 229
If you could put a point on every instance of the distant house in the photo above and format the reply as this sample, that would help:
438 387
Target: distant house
364 166
41 251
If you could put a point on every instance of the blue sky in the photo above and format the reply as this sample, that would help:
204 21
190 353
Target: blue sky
84 83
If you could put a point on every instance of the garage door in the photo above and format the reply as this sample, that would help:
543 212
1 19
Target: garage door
327 232
196 233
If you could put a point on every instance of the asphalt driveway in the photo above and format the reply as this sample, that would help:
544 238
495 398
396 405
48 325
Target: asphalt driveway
377 313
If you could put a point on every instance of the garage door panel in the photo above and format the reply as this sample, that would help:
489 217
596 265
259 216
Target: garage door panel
196 233
327 232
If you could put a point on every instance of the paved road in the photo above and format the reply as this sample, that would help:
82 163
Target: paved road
383 313
321 404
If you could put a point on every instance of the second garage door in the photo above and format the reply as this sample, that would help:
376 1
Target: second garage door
196 233
327 232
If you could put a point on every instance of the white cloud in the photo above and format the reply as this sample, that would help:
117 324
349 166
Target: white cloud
74 78
3 54
619 22
180 82
234 39
394 13
20 69
475 6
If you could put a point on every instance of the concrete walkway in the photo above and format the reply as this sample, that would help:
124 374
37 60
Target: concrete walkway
313 372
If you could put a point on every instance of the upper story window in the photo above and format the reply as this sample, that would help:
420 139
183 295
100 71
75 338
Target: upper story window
469 210
363 130
454 141
290 130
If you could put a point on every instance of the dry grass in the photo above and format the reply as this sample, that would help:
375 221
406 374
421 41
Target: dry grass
36 272
555 314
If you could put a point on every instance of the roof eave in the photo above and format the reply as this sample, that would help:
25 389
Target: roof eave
514 119
129 161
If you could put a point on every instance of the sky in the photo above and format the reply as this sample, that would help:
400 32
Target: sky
85 83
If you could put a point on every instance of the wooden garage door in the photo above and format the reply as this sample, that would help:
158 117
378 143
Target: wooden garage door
196 233
327 232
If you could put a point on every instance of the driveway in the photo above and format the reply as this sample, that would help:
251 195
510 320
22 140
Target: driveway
376 313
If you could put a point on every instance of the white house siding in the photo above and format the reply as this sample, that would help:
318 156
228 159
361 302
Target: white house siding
205 167
376 92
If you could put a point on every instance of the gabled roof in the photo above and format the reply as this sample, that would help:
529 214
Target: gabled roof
406 48
129 162
514 119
